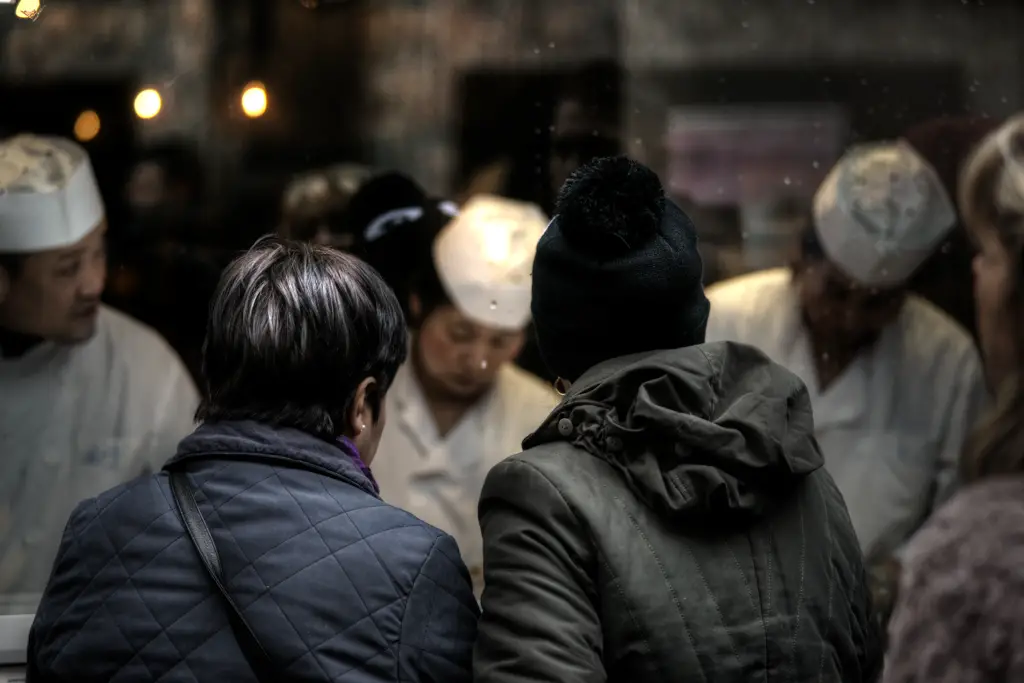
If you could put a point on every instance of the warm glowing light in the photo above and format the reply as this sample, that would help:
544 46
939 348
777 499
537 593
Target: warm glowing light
254 100
27 9
147 104
87 126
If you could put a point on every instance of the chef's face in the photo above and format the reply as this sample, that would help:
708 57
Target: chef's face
460 357
994 293
577 138
840 313
55 294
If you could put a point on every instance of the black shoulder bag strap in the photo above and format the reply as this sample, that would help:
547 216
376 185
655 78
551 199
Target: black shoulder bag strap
202 539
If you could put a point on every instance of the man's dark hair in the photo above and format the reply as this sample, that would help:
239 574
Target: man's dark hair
12 263
293 330
426 285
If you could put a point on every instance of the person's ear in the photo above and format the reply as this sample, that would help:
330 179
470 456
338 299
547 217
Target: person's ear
362 413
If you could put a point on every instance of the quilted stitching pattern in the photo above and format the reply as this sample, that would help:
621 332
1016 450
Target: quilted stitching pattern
336 584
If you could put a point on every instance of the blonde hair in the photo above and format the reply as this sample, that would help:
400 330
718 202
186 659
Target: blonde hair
991 194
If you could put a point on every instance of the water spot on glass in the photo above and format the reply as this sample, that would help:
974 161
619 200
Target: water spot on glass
945 248
721 190
810 2
536 50
787 180
494 305
483 364
754 46
1004 99
863 81
639 141
824 356
815 164
745 24
827 79
538 131
551 45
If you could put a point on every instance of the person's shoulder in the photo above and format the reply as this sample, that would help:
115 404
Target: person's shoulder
399 537
134 504
556 467
742 305
738 291
933 334
968 555
978 525
524 386
134 340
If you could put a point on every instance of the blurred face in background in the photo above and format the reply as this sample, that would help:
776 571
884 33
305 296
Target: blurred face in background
578 136
840 313
458 358
147 186
56 294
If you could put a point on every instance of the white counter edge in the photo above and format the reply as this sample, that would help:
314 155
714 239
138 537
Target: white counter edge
14 638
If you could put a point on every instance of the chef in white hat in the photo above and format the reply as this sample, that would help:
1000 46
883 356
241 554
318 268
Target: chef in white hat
459 405
895 384
88 396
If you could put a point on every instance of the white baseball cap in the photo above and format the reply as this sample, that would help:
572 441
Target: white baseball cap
48 194
484 259
881 212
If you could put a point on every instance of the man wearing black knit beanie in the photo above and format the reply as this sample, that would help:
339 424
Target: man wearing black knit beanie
618 267
671 519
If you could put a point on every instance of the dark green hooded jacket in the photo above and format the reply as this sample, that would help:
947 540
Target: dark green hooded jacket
671 521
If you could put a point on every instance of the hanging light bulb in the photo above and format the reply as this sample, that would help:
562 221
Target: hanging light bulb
148 103
28 9
87 126
254 100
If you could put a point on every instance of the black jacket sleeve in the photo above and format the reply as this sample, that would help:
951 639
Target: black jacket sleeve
539 618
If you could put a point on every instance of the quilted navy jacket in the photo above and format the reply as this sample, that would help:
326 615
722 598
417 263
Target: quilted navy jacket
338 585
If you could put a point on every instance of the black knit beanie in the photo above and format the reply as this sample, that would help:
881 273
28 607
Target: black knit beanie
617 272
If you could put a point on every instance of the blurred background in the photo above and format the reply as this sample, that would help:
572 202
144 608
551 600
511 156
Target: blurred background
198 113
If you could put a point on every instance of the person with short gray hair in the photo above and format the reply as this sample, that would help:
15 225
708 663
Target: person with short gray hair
262 550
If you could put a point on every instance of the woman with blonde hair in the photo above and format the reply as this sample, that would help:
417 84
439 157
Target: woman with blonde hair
960 615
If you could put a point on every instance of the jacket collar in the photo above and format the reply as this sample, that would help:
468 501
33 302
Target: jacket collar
247 440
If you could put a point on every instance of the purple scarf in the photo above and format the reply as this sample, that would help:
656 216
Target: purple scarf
351 451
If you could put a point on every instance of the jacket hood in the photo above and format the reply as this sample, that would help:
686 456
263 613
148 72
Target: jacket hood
716 431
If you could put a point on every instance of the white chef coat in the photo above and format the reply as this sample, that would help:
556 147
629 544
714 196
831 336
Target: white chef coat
439 480
892 426
76 420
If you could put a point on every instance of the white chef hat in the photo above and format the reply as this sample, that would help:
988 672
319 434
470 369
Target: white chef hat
484 259
48 194
881 212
